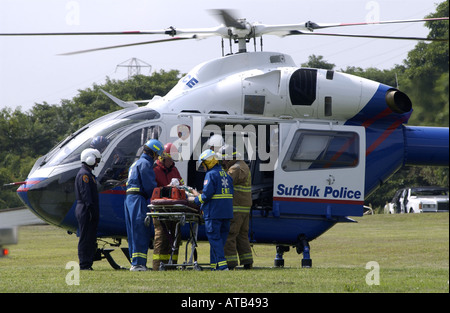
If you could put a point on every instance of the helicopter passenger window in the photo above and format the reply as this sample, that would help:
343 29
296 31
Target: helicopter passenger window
321 150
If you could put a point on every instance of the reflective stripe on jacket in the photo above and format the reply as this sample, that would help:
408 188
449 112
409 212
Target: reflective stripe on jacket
242 183
217 197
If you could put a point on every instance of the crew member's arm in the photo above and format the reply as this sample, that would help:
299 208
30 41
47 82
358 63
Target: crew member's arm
208 190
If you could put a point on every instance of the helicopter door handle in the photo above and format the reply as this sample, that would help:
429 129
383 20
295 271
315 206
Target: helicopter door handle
330 180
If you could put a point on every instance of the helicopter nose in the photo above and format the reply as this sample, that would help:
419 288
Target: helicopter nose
50 198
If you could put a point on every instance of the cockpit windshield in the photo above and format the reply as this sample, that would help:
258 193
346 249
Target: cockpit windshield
70 150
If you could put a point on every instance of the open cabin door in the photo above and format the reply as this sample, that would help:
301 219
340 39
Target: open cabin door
320 170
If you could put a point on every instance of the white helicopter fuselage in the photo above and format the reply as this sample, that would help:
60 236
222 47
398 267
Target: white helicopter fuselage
316 141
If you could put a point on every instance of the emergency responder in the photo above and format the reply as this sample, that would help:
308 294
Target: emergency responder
99 142
87 209
165 172
165 168
216 203
214 143
238 242
140 185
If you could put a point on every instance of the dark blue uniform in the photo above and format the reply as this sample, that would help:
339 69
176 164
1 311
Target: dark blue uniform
140 185
217 206
87 214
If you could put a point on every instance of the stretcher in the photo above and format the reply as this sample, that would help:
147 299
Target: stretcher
181 214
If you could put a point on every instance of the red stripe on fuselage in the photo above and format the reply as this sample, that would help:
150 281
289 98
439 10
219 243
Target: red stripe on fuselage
381 115
353 202
114 192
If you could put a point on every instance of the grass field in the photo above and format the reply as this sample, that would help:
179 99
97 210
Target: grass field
412 252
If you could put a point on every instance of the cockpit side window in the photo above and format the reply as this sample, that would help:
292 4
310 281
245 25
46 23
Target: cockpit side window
125 153
72 147
321 150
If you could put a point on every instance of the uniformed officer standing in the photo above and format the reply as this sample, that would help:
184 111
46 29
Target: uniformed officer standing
217 205
238 242
87 209
140 185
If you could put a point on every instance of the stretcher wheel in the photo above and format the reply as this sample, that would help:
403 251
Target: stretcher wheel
197 267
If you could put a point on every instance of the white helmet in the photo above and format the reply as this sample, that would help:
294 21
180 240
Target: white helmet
90 156
215 141
228 152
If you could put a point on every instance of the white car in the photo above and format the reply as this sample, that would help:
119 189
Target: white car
419 200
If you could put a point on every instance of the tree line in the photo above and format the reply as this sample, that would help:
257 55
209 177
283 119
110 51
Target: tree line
424 76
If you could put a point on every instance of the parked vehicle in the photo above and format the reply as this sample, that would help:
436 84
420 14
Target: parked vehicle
419 200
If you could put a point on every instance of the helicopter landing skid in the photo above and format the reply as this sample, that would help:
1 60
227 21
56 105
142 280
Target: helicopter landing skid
106 254
303 247
279 261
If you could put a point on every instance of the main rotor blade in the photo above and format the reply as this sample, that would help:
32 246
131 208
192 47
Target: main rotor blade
132 32
287 29
292 33
312 25
171 31
128 45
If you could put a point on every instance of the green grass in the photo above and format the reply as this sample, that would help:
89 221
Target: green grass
412 252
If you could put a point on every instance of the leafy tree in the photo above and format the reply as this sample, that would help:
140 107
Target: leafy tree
387 77
427 72
318 62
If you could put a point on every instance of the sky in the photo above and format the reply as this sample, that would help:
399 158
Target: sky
31 71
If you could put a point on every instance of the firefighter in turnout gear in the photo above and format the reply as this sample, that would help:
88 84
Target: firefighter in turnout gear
140 185
165 173
87 209
216 203
238 243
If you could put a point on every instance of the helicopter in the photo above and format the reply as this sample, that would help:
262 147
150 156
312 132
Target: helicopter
318 141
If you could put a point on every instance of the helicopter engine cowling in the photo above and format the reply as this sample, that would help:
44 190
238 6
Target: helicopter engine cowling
326 94
269 84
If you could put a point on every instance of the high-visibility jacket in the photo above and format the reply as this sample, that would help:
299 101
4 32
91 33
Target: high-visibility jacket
242 183
217 198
